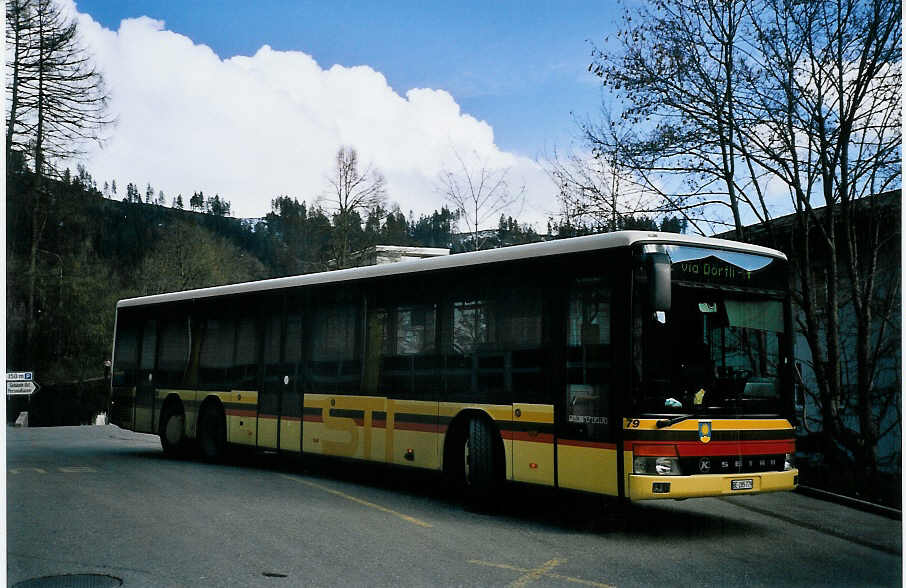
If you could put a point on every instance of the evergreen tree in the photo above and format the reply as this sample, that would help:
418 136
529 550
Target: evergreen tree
132 194
396 229
218 206
196 202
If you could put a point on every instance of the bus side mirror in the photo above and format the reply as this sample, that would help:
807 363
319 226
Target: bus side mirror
659 281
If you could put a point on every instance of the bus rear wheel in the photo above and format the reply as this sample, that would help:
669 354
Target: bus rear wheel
172 431
481 475
212 433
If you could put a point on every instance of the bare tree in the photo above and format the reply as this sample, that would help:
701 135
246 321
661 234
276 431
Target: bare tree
353 191
20 66
826 89
61 98
679 66
597 191
58 101
478 192
734 98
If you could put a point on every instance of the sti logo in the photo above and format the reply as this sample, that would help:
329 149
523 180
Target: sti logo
704 431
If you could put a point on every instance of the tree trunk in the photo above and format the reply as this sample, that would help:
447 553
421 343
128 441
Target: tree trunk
14 99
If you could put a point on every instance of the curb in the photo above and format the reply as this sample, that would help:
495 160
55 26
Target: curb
878 509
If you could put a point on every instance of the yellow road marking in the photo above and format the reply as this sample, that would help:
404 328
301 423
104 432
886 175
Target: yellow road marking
530 575
536 573
405 517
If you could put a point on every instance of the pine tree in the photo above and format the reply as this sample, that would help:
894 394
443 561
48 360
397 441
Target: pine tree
196 202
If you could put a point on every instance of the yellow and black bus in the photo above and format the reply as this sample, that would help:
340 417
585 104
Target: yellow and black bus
632 364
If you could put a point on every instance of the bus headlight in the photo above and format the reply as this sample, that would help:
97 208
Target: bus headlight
660 466
789 462
667 466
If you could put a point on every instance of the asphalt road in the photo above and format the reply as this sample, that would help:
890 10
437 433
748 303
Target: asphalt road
106 501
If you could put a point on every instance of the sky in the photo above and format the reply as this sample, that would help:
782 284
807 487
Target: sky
252 100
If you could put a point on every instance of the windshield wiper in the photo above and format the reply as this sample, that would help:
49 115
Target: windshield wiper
672 421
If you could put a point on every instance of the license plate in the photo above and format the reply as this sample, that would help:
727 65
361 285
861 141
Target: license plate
741 484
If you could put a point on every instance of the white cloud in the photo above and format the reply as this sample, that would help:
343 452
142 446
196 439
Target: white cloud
252 128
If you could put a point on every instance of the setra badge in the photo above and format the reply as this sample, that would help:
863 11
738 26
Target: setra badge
704 431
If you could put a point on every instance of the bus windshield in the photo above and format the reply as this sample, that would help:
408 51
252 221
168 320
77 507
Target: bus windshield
718 350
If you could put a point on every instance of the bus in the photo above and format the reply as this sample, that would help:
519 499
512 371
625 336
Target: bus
639 365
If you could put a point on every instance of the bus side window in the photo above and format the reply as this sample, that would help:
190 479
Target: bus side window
244 371
495 346
173 351
468 344
407 366
335 361
126 356
588 361
519 335
216 352
149 346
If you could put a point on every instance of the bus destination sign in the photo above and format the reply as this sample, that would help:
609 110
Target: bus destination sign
711 270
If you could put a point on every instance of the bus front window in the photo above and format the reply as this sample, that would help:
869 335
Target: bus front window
716 353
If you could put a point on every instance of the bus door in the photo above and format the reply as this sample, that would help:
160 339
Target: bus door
526 369
279 399
145 386
586 435
290 419
275 377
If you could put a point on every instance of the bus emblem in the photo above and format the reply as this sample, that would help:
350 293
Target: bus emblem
704 431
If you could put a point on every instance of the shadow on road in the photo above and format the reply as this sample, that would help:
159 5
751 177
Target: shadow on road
557 509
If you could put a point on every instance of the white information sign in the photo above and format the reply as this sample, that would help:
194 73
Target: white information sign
20 384
20 388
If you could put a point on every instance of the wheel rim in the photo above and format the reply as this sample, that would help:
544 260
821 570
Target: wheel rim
174 429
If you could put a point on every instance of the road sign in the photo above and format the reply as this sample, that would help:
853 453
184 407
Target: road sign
20 383
21 388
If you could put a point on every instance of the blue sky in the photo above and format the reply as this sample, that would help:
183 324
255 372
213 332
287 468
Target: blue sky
252 100
520 66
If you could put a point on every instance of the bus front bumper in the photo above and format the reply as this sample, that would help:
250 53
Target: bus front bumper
654 487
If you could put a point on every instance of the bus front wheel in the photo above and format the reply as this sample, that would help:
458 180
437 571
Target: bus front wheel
481 474
212 433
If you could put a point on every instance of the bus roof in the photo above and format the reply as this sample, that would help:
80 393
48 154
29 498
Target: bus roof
516 252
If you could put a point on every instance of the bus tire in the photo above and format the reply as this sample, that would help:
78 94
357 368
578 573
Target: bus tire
172 430
481 475
212 432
